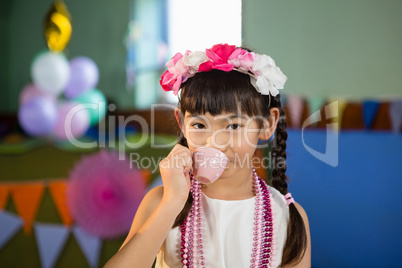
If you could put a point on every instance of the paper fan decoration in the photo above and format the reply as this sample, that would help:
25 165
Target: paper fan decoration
103 194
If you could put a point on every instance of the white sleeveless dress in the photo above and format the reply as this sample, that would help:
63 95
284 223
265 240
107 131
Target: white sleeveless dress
227 233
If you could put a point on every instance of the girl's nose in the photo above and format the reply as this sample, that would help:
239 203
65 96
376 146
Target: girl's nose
218 141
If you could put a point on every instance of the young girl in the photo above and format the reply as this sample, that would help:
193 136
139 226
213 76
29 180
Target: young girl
229 100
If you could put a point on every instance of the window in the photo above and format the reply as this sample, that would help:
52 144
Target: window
160 28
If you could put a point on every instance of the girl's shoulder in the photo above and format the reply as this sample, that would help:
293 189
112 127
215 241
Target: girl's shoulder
277 197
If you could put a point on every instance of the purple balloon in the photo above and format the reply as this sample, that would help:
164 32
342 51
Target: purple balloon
73 118
84 75
38 116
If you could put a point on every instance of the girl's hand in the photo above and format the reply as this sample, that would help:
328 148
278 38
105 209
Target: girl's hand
174 171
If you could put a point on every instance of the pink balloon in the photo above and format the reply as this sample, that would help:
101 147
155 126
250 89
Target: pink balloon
73 119
30 91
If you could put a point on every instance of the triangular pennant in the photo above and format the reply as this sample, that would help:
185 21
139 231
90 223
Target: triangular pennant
89 244
395 113
369 111
259 164
9 225
341 108
295 108
3 196
50 239
27 198
337 112
58 193
284 99
315 104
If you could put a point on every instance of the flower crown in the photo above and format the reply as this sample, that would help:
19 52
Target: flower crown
265 76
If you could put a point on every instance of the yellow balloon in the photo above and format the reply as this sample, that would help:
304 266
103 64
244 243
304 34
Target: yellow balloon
57 26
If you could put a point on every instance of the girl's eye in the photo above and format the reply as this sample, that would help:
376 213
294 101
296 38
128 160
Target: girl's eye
198 125
234 126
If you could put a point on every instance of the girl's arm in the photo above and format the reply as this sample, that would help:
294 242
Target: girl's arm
151 225
157 212
306 261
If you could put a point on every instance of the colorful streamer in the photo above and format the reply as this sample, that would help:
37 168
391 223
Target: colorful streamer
395 113
369 112
9 225
50 239
295 109
89 244
27 198
58 192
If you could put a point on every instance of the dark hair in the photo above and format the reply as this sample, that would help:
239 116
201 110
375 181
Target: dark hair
219 92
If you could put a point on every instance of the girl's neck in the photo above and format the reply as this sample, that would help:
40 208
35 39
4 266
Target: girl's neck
236 185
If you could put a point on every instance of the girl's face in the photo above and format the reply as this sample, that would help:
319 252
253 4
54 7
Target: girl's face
236 135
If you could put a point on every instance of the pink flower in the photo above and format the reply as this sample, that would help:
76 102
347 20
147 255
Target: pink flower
242 60
170 81
193 60
172 62
265 76
103 194
219 54
172 78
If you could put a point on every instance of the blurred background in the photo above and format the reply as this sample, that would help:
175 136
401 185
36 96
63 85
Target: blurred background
68 198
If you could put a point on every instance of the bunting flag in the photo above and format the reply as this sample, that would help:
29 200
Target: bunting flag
395 113
369 111
58 193
89 244
295 108
284 99
9 225
27 198
337 112
315 104
260 166
50 239
3 196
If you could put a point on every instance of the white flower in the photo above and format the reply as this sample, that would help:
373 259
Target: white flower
194 59
269 77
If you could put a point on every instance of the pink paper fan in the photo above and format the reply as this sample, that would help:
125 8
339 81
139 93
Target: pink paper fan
104 193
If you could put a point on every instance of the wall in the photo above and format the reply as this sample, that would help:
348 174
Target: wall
99 29
326 48
339 48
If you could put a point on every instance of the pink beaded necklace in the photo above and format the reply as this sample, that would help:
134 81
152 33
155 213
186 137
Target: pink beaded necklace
192 251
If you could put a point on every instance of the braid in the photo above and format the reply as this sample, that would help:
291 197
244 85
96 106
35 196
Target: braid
296 241
279 178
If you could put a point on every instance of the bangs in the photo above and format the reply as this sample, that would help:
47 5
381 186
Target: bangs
218 92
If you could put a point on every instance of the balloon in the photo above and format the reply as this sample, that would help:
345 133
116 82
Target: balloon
30 91
38 116
57 26
73 119
50 72
84 75
98 111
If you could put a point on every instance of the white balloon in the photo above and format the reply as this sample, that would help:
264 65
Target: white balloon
50 72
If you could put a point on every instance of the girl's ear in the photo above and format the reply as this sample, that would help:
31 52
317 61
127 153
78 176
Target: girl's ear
270 124
179 118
